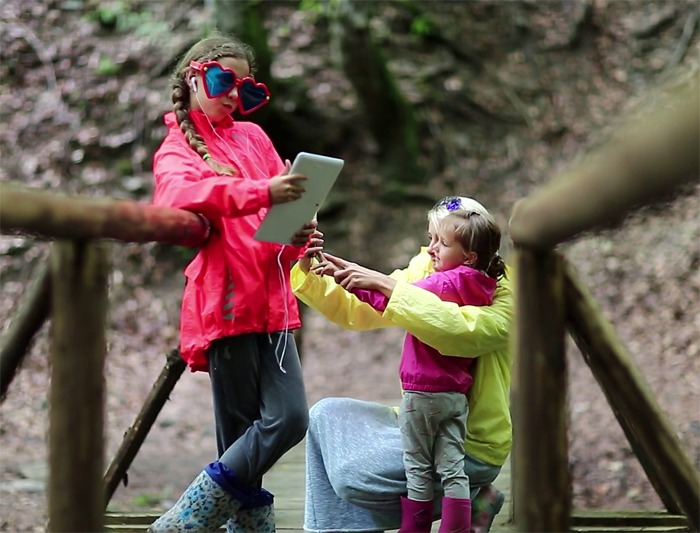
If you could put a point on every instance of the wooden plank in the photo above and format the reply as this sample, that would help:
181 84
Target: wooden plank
28 321
64 217
627 518
286 480
650 435
76 428
540 458
169 376
627 529
651 157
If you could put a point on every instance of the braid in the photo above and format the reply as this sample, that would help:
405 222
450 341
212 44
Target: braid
182 113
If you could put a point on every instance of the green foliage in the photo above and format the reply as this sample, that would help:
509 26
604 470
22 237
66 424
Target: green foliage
123 16
106 66
124 167
146 499
316 9
422 26
311 6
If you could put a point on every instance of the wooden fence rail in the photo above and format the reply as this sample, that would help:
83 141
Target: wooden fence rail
31 316
651 437
657 154
173 369
62 217
72 289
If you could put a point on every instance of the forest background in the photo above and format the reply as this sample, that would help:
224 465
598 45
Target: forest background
488 99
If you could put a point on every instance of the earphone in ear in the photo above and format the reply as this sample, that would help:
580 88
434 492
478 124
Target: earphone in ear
193 84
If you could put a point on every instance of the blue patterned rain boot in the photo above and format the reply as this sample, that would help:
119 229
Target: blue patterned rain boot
256 517
214 496
485 506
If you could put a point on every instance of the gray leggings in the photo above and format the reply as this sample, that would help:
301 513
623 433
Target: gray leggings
433 428
354 468
260 409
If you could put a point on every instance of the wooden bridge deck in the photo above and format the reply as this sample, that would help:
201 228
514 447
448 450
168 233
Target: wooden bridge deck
286 482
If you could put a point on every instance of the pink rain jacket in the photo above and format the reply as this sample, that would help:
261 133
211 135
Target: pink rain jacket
235 284
424 368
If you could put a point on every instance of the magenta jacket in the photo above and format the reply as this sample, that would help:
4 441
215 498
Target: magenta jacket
235 284
424 368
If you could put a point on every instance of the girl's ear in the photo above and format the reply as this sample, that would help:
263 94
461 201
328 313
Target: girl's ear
470 259
189 72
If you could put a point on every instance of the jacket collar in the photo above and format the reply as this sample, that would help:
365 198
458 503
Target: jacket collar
202 122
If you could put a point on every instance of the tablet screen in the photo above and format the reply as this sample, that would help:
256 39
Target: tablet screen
284 220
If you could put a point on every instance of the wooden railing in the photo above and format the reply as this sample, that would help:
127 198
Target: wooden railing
71 288
550 300
651 157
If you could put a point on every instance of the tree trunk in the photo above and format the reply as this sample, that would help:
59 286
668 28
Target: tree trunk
390 118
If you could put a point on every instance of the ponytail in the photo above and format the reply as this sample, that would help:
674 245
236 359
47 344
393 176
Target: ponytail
496 268
181 107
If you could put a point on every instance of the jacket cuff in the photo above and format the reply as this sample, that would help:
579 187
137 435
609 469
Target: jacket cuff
299 280
263 194
396 301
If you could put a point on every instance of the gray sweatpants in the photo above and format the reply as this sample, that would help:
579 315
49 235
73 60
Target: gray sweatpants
259 403
433 429
354 468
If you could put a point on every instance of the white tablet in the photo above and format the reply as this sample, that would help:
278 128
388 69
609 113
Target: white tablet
284 220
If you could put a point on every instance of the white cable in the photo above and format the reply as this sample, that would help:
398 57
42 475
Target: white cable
233 155
286 312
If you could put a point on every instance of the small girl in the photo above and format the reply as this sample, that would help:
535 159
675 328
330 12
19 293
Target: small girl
238 307
434 408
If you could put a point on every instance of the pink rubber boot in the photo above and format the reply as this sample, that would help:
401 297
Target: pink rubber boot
416 517
456 515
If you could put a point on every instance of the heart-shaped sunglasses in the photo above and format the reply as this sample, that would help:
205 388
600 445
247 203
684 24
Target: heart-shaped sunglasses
219 80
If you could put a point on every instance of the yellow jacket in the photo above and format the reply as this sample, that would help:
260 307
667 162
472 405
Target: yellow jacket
452 330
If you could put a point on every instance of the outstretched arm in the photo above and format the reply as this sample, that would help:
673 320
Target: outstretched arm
324 295
450 329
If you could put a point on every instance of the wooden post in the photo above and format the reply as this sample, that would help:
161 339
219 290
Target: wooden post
542 487
76 428
174 366
30 317
653 440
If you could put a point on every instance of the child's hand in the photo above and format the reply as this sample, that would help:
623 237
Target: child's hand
325 267
314 250
301 237
286 187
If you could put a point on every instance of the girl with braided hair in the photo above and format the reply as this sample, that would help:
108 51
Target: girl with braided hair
238 309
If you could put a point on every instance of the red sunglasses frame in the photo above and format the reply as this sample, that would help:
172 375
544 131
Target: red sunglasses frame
238 83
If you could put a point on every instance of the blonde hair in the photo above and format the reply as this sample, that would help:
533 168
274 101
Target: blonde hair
450 203
208 49
475 229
